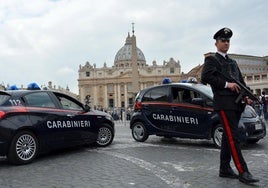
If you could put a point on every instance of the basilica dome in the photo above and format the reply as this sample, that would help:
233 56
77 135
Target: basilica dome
125 53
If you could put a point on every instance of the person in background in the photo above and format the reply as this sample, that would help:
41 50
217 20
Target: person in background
264 105
257 106
249 104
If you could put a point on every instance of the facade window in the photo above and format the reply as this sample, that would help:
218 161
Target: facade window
150 84
110 88
130 101
111 103
122 88
87 74
87 89
129 87
172 71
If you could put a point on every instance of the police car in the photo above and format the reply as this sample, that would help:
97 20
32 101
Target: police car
185 110
38 121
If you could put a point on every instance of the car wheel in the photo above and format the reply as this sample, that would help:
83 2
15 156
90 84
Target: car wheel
105 136
139 132
23 149
217 135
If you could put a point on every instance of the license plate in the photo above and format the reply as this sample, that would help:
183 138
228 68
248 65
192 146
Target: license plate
258 126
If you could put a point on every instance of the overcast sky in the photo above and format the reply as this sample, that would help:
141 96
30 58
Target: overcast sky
47 40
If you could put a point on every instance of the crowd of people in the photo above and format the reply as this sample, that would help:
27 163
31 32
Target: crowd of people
121 114
118 114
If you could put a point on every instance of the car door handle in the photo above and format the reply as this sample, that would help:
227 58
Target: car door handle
70 115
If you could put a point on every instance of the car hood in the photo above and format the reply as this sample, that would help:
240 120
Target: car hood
98 112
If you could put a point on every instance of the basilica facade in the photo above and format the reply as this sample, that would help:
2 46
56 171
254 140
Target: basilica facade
117 86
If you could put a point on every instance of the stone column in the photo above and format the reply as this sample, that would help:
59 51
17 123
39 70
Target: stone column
95 96
119 95
105 102
125 95
115 95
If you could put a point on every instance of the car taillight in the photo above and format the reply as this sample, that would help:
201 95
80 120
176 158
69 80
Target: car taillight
2 114
137 106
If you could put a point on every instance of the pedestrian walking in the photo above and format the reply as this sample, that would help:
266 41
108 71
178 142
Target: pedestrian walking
264 105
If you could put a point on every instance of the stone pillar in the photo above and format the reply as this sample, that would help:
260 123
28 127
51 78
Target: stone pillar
105 102
95 96
115 95
125 96
118 95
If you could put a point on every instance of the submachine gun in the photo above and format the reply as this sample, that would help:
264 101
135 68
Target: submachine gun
244 90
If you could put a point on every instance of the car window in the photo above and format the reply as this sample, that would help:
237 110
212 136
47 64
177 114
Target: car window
3 98
209 102
156 94
177 94
205 89
69 104
39 99
183 95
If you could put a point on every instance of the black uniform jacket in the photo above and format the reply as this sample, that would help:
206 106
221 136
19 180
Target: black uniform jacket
214 66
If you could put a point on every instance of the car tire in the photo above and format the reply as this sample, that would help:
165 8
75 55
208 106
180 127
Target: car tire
253 141
139 132
217 135
105 135
23 148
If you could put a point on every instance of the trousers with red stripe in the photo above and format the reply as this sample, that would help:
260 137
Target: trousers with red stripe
230 141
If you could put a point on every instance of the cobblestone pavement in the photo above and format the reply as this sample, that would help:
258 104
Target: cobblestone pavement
158 162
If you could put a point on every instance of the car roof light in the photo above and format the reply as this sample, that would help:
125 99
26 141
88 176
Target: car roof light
192 80
166 81
13 87
33 86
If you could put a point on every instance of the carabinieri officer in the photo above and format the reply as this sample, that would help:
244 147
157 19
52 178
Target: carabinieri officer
229 110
